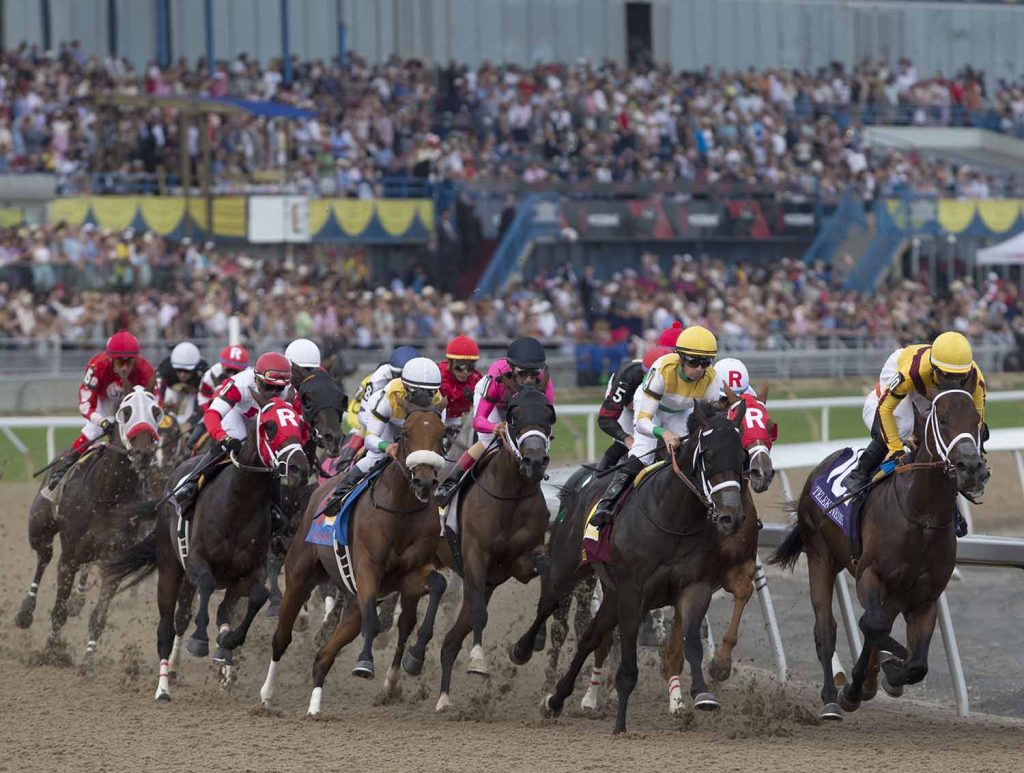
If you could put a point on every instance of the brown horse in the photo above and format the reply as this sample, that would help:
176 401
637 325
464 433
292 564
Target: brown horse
229 543
503 522
96 513
909 550
664 549
393 540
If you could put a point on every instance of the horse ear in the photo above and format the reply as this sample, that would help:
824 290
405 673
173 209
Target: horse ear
762 393
730 396
405 405
552 416
972 381
442 405
699 414
741 411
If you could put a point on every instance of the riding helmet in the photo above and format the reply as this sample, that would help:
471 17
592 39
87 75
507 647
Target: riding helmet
526 353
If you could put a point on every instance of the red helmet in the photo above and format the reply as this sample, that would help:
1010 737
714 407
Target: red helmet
462 348
122 344
669 335
273 369
654 354
235 357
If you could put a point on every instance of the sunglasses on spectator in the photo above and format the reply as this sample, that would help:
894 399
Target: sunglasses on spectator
696 362
463 367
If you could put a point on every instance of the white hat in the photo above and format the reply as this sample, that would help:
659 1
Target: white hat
421 373
303 353
185 356
732 373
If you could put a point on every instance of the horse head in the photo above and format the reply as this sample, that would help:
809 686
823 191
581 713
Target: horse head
138 420
718 458
419 445
758 434
323 404
279 439
952 434
528 421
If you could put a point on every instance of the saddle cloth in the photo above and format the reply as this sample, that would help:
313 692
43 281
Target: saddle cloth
829 487
597 544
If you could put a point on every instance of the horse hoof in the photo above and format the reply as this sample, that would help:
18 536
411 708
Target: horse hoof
23 619
198 648
478 662
540 640
831 713
546 709
706 701
589 702
513 655
411 664
163 696
222 656
363 669
720 672
866 696
847 703
890 690
443 703
273 610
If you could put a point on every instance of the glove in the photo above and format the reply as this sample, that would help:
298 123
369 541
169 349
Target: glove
106 425
892 459
229 444
166 422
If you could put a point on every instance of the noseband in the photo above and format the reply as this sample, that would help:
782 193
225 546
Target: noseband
933 434
706 491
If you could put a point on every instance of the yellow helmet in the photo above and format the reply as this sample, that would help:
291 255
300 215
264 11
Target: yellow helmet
697 341
951 353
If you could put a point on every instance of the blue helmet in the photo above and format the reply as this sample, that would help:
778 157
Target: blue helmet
400 356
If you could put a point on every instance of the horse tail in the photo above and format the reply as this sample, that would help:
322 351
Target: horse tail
134 564
792 546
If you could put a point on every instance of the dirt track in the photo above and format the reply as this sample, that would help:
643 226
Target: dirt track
53 719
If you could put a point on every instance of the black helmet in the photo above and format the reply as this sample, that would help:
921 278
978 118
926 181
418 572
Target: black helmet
526 353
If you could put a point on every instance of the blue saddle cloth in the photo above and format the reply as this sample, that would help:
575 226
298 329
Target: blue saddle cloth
828 488
328 530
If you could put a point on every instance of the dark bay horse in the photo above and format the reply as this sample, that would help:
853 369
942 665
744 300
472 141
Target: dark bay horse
229 542
504 519
909 550
664 550
96 512
393 536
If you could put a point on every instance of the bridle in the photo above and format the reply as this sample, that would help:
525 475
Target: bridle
933 435
279 458
703 488
309 414
406 462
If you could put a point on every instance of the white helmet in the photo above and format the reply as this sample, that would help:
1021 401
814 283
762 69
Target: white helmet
304 353
732 373
421 373
185 356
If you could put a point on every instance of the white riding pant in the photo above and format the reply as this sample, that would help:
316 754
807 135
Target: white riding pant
903 413
373 454
104 407
495 417
235 425
644 445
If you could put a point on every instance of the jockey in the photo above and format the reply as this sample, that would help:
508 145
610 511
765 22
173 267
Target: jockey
369 389
459 376
662 406
178 379
523 363
732 373
419 383
233 360
616 415
304 356
108 377
923 368
229 418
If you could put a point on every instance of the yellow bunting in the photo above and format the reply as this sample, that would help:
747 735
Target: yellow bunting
72 210
955 215
197 211
11 216
425 209
395 215
114 212
353 215
229 216
319 211
999 214
163 214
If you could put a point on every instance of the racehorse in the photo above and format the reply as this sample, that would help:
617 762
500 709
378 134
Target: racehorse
503 522
96 513
393 536
909 550
229 543
664 550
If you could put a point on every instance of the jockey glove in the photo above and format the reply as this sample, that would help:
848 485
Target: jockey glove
229 444
106 424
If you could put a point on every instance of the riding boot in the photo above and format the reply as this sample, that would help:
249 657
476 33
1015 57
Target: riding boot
612 456
959 522
616 486
867 465
59 471
345 485
184 495
276 510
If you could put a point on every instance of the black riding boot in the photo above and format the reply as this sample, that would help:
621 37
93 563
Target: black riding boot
446 490
868 464
59 471
345 485
616 486
184 496
612 456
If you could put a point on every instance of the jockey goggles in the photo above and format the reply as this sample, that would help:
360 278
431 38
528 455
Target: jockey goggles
526 372
696 362
463 366
124 362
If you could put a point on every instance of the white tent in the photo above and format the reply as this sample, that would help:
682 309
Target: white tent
1008 253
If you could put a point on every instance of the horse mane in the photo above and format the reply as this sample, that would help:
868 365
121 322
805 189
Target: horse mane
708 410
420 398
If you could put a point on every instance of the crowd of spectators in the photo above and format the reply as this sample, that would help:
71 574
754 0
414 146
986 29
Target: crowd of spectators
80 284
579 123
